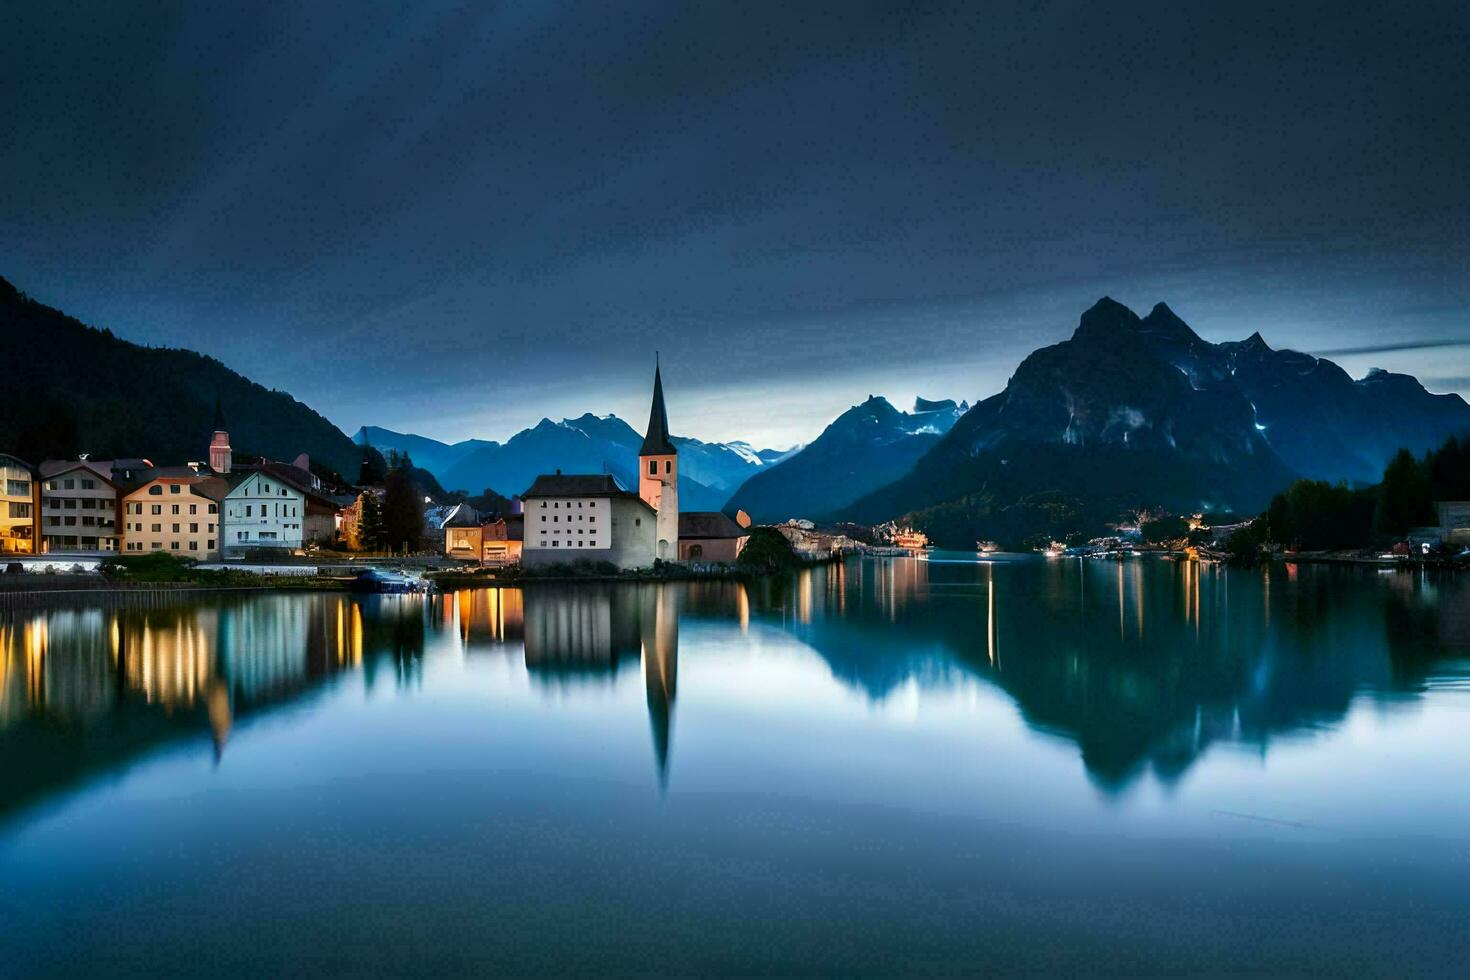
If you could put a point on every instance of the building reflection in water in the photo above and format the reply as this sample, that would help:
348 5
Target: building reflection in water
577 633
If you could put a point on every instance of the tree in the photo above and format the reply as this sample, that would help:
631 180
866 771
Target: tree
370 523
372 469
403 511
1165 529
1404 496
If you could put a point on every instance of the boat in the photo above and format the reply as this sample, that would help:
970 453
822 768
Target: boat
986 547
380 582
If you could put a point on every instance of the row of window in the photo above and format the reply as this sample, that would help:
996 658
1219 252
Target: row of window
172 546
556 504
589 544
556 518
137 508
73 503
282 510
17 488
70 520
70 483
158 528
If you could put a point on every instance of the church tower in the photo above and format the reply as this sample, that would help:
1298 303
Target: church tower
220 456
658 474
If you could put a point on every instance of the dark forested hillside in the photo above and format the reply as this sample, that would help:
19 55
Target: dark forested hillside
71 388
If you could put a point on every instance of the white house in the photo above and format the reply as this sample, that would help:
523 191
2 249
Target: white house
587 517
261 511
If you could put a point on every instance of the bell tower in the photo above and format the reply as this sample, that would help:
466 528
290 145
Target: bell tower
220 455
658 474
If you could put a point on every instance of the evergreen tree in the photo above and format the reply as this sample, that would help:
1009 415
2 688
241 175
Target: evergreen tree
403 509
370 523
1404 496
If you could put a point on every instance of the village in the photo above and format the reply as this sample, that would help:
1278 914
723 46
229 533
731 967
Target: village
269 515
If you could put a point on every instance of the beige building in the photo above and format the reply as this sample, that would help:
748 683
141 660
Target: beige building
586 517
176 510
710 536
19 502
80 508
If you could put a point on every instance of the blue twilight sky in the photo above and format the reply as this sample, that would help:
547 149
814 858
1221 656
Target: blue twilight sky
459 218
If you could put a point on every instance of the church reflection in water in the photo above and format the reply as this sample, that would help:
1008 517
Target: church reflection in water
1142 664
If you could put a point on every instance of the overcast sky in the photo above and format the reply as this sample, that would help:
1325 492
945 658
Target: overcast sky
457 219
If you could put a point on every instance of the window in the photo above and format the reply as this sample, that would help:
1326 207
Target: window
592 520
212 509
247 510
176 529
157 528
157 509
156 490
176 509
242 535
69 484
543 505
653 467
157 546
69 504
555 543
20 510
89 484
696 551
193 508
637 522
175 488
668 466
193 545
556 503
194 527
173 546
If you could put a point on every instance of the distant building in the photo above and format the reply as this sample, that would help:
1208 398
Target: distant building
1454 521
710 536
261 511
587 517
81 510
490 542
175 509
19 503
221 457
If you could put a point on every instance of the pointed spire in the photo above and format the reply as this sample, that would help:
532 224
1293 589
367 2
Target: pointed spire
219 415
656 441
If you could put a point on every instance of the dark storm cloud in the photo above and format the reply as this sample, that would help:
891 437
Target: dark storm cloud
461 217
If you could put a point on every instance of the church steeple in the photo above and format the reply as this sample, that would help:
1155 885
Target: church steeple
658 474
221 457
656 441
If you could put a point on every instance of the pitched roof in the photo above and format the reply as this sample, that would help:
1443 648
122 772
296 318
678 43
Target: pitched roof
580 485
56 467
574 485
656 442
708 524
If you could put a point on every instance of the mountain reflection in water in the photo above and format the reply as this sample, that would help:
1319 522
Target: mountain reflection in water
1142 664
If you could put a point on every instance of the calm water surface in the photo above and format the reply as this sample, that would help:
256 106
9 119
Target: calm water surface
887 766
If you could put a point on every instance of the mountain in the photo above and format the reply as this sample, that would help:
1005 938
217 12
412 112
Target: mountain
709 471
1137 412
865 448
430 454
70 388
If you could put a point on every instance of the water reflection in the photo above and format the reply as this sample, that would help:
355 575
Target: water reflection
1143 665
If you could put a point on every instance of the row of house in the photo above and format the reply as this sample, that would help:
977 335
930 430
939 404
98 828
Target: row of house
201 510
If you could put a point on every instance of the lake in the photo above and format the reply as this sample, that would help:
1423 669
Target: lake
886 766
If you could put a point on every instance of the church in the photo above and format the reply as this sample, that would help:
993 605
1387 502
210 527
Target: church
592 517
